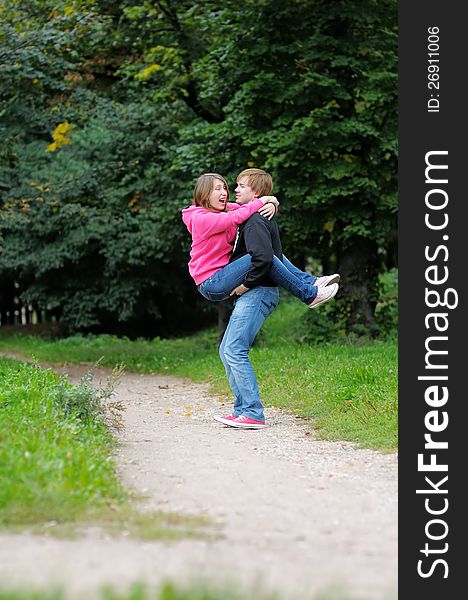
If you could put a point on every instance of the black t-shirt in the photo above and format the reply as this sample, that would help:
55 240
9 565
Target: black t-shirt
260 238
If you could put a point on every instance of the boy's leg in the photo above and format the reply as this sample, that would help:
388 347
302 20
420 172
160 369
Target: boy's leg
250 311
237 410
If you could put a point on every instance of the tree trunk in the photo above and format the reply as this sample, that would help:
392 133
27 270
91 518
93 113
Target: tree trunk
7 303
358 264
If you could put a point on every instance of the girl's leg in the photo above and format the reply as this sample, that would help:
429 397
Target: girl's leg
322 281
301 274
296 285
220 285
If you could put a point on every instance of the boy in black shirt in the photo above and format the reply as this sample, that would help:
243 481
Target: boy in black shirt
260 238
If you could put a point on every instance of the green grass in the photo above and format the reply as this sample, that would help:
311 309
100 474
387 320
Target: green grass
348 389
56 468
53 461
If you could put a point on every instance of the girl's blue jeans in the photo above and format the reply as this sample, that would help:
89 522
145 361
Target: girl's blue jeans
219 286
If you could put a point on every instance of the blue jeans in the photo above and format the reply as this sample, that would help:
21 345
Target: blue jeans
285 274
250 311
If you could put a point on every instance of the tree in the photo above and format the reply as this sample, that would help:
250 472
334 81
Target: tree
313 100
89 220
117 107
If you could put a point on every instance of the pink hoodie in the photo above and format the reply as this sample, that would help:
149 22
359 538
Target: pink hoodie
213 234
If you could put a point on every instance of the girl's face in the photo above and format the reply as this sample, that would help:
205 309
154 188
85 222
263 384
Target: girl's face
218 196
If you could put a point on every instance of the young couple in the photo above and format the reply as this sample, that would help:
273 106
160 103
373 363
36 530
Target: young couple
255 265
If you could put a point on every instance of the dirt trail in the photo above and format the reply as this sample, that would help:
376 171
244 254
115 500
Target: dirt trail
297 515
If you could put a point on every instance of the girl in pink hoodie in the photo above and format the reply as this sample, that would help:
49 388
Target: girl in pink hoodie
212 221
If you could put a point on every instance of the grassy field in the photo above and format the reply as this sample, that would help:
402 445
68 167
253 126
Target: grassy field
348 389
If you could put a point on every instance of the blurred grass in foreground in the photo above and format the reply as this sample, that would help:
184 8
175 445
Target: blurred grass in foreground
170 592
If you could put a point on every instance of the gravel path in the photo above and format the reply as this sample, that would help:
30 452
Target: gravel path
297 515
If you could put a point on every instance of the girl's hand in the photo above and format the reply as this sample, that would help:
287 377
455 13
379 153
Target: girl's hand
270 206
273 199
268 210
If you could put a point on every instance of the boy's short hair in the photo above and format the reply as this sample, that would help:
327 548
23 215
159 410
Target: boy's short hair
204 187
259 180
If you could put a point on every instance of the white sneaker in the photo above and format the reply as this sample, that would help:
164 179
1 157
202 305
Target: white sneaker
324 294
327 280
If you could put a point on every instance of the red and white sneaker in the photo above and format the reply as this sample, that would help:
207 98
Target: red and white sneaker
225 420
327 280
247 423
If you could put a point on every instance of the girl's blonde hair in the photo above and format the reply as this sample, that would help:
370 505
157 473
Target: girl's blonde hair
258 180
204 187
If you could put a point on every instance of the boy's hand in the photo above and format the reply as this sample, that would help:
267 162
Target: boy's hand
239 290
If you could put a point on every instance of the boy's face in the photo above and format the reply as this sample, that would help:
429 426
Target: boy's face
244 193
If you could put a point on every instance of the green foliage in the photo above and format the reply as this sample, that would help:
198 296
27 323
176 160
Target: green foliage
103 241
80 401
109 112
326 325
387 308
